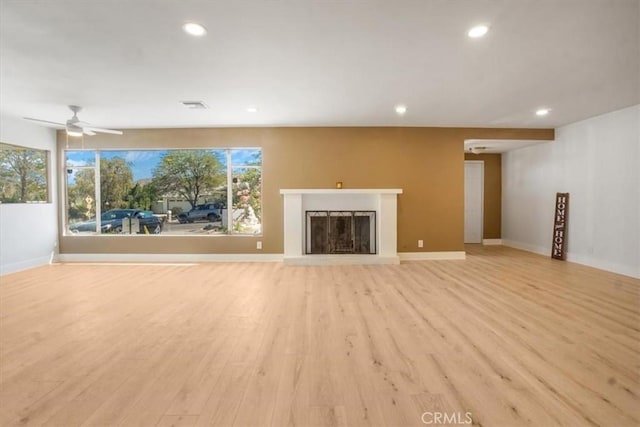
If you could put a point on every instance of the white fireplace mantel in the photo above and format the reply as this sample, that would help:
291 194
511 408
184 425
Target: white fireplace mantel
382 201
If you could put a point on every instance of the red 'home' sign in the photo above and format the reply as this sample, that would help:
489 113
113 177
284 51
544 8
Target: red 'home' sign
559 244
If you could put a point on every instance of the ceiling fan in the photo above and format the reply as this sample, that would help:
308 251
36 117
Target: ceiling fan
74 126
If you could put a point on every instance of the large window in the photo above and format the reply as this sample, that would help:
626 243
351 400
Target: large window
23 175
166 192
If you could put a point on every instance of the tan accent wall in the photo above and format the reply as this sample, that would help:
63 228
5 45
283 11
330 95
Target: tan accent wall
492 224
427 163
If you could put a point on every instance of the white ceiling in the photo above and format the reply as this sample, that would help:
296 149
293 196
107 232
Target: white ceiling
305 62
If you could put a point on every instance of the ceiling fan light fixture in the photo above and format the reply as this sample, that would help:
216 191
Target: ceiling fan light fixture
73 130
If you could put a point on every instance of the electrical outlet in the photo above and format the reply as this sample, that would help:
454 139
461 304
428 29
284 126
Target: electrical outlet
420 243
259 244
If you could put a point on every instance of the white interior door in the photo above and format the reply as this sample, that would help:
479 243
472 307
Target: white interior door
473 200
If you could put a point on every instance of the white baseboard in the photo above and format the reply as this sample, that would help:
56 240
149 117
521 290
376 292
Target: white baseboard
626 270
24 265
490 242
303 260
183 258
578 259
424 256
527 247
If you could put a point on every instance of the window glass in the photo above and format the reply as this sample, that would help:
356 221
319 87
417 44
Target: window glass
81 202
246 157
247 201
23 175
184 190
80 158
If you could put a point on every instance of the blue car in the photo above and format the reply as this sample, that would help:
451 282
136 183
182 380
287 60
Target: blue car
111 222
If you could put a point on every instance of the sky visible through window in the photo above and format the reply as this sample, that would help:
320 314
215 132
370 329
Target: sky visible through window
143 162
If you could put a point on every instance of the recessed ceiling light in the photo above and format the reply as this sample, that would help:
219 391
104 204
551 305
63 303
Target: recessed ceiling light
401 109
542 112
252 109
478 31
194 29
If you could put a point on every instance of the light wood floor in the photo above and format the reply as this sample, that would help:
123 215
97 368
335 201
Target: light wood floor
508 337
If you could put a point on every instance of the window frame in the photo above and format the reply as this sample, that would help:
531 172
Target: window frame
98 209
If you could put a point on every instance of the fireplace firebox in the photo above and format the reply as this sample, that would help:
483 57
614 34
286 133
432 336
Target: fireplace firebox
340 232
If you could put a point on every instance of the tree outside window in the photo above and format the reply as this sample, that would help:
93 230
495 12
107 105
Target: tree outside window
23 174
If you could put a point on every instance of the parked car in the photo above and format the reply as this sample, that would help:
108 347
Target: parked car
111 222
208 212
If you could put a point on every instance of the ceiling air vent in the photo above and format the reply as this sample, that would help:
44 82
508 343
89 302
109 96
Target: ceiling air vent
194 105
477 149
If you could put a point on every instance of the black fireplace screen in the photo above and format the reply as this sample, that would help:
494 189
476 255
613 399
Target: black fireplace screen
340 232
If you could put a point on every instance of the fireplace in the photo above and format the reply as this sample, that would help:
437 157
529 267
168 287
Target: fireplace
350 226
340 232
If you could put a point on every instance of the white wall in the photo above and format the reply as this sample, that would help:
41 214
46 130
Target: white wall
29 232
597 161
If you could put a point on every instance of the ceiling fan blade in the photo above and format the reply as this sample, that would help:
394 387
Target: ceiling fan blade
45 122
101 130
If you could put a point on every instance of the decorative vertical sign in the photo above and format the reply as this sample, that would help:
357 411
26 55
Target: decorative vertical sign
559 244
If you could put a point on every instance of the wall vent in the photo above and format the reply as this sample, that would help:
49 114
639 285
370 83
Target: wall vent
194 105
